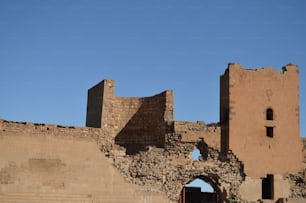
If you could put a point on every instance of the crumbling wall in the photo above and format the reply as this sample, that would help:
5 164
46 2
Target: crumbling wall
133 122
154 153
151 172
157 170
196 131
298 180
298 184
169 169
146 124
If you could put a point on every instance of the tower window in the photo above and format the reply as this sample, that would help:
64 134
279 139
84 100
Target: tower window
269 114
269 131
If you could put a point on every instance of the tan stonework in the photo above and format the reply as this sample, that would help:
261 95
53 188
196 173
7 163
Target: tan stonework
132 150
248 95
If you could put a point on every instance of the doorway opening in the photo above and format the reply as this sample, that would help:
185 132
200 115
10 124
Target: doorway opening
200 190
268 187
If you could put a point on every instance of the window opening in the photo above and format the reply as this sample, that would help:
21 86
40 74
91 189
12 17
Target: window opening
196 154
269 114
270 131
268 187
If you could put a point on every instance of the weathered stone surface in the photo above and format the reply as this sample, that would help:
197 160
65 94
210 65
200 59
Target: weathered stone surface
47 163
246 95
298 184
136 152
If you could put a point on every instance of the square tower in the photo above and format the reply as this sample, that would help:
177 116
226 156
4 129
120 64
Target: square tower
259 116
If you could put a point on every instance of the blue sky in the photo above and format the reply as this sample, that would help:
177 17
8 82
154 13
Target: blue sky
52 51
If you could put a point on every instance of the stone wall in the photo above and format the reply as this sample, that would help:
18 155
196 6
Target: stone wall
169 169
131 121
196 131
147 125
135 152
43 163
62 164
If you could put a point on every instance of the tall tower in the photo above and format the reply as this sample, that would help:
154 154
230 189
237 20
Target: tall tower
259 115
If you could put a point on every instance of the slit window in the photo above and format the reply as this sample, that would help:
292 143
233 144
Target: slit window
270 131
269 114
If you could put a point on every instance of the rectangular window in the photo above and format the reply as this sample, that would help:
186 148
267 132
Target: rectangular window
269 131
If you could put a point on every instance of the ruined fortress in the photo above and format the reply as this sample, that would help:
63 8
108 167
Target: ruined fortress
133 151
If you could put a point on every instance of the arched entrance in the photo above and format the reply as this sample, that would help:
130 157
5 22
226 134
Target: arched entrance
201 189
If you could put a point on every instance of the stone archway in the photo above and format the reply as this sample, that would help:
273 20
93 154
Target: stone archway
195 195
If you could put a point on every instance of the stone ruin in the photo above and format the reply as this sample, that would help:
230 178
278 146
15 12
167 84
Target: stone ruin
132 149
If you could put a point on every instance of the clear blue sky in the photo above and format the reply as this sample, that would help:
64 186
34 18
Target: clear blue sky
52 51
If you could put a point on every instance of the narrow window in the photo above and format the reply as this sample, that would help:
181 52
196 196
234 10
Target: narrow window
268 187
269 114
269 131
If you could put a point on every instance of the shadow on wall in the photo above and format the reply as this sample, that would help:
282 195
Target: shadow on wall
146 128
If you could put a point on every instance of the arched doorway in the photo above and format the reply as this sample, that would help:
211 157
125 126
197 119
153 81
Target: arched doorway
201 189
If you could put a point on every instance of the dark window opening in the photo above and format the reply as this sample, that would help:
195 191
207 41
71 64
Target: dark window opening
269 131
269 114
268 187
